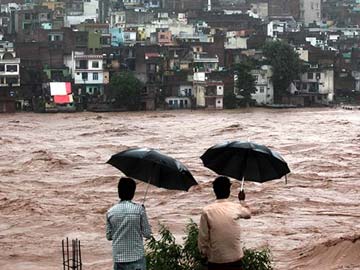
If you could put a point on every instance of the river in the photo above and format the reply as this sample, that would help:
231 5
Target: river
55 182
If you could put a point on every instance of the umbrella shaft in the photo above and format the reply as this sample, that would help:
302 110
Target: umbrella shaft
146 191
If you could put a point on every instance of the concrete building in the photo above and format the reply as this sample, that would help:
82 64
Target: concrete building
80 11
314 87
9 76
88 73
183 98
264 94
310 11
261 9
208 94
29 20
284 8
235 40
203 62
279 25
9 65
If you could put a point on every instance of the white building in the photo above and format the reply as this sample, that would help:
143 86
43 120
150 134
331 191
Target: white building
87 10
205 63
264 94
183 98
88 72
317 85
310 11
235 41
9 66
261 9
209 94
281 25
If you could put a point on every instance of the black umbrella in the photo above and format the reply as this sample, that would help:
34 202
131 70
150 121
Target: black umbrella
245 161
153 167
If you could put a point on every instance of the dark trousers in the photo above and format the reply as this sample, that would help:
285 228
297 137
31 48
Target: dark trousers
226 266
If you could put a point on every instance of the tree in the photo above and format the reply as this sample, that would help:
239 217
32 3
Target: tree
286 65
126 89
229 100
245 81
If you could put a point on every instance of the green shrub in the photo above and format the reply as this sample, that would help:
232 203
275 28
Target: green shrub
165 254
257 259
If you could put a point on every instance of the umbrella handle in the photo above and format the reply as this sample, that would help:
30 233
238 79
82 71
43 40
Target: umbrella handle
147 188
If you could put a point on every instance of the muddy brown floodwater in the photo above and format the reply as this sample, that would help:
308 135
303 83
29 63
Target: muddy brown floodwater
54 182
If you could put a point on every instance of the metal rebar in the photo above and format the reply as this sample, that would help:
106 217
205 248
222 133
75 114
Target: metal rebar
68 255
80 256
63 253
73 254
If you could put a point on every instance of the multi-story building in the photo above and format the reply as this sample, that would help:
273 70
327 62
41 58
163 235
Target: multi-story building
88 73
316 86
280 25
29 20
264 94
284 8
9 76
81 11
9 66
203 62
208 94
310 11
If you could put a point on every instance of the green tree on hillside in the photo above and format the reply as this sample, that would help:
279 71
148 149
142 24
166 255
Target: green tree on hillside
245 81
286 64
126 89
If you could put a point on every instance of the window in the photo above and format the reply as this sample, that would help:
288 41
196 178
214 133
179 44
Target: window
82 64
95 64
27 16
95 76
2 67
2 80
310 75
11 68
84 76
262 89
318 76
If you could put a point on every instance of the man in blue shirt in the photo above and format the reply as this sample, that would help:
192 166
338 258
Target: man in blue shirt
126 225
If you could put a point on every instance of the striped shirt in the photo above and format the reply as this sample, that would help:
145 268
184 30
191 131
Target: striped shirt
126 225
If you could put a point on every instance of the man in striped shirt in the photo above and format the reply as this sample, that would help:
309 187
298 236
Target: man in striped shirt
126 225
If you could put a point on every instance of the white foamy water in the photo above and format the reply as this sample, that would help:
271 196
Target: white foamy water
54 182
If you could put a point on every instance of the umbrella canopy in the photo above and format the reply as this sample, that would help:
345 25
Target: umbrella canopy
245 161
153 167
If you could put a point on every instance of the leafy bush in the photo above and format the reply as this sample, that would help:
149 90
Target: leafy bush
165 254
257 259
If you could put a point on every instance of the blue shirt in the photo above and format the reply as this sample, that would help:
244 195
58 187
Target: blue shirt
126 225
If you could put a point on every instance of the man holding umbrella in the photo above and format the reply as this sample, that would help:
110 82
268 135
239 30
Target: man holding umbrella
220 231
126 225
